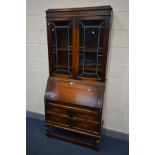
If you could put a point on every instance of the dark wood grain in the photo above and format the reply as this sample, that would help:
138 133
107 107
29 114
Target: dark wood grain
91 134
96 8
70 112
96 142
73 103
75 92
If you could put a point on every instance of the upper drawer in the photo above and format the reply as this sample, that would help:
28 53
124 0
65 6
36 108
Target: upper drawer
74 112
76 92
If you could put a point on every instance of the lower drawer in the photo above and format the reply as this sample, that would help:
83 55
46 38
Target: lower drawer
70 122
87 126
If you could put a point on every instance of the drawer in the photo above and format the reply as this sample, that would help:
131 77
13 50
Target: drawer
69 122
73 112
58 120
51 107
88 117
87 126
56 109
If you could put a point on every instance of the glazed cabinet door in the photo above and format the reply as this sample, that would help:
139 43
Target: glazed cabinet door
61 46
92 43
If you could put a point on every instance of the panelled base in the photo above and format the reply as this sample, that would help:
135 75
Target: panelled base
73 137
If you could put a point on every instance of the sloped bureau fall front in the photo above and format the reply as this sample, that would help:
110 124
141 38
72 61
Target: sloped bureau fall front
77 52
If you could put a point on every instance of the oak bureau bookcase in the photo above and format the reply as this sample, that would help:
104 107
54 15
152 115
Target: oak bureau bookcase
77 52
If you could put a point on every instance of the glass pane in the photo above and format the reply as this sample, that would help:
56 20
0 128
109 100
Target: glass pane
62 47
91 48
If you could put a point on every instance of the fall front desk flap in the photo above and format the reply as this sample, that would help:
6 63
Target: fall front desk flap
75 92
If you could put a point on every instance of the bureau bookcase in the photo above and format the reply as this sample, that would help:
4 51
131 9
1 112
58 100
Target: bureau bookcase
77 52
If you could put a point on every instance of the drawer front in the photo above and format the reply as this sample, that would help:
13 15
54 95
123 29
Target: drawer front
58 120
87 126
87 117
51 107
